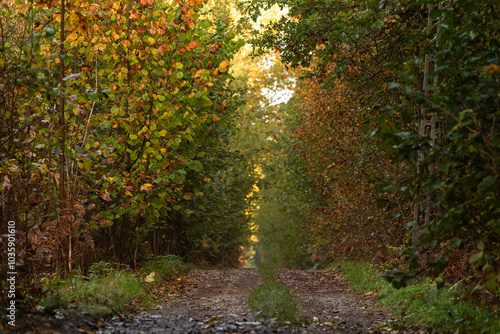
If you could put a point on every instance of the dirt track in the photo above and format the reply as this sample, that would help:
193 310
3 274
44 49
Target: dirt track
215 301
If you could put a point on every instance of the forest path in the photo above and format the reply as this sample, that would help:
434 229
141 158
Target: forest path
215 301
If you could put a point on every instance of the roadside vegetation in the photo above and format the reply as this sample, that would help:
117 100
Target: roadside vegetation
111 288
422 303
115 127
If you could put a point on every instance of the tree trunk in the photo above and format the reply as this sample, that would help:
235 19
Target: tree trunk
426 124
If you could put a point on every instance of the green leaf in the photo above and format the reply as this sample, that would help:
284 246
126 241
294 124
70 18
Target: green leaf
476 257
93 96
49 32
488 182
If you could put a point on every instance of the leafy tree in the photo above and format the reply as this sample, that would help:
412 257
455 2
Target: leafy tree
444 56
343 45
462 154
146 110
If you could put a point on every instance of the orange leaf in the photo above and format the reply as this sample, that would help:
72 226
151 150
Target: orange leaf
223 66
147 187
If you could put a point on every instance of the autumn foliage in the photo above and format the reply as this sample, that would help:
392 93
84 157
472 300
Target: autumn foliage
394 122
344 169
128 104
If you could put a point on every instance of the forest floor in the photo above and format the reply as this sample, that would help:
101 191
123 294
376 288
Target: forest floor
215 301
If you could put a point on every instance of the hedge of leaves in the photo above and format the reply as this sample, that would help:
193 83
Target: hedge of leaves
130 101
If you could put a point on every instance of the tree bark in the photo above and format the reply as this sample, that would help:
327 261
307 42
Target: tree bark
426 124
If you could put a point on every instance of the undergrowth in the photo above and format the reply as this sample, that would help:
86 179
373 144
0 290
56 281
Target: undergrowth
422 303
271 298
111 288
99 295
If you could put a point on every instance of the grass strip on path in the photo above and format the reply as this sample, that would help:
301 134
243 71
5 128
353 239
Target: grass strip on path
422 303
271 298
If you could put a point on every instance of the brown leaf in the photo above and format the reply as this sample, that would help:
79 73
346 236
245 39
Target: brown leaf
105 196
6 182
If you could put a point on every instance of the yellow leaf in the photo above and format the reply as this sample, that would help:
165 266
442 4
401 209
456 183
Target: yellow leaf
151 40
80 164
150 278
492 69
87 165
116 5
